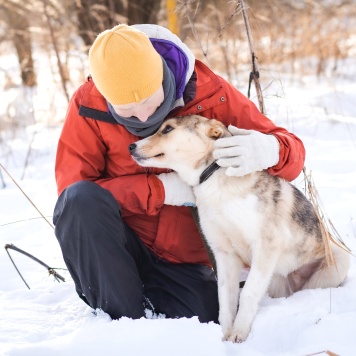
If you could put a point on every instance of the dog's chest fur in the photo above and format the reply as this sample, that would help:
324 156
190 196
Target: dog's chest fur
231 208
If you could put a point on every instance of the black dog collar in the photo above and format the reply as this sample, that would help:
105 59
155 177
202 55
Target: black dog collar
208 172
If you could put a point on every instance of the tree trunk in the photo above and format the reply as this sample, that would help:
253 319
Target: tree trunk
143 11
95 16
21 38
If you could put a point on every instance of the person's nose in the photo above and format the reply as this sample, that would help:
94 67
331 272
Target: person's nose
143 114
142 117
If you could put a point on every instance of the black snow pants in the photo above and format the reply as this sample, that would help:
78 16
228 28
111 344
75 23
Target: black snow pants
114 271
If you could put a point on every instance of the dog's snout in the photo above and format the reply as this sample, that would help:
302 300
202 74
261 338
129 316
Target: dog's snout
132 147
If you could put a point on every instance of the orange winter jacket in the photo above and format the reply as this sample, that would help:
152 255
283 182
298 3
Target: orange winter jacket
91 149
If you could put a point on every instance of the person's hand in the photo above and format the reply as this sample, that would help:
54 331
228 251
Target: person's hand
177 192
246 151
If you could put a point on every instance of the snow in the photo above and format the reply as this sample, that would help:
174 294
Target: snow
49 319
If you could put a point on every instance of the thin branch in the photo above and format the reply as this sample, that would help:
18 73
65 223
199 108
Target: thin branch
55 46
186 4
254 75
50 270
27 197
236 11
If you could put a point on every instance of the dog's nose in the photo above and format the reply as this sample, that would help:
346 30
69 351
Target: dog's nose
132 146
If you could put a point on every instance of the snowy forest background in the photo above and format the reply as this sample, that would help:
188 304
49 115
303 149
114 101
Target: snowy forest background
306 53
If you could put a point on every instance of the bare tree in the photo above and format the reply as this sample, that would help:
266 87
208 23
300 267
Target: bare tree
18 25
143 11
95 16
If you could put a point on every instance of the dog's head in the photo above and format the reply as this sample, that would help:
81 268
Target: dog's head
184 144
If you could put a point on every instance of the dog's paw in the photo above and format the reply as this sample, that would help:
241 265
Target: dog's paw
226 323
236 335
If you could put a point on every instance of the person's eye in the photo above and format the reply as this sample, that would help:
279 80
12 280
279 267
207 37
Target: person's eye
167 129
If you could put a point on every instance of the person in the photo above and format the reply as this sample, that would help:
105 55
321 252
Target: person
126 232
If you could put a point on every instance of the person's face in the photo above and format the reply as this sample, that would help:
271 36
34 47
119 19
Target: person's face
144 109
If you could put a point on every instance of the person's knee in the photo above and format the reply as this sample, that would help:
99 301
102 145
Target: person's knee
84 198
82 194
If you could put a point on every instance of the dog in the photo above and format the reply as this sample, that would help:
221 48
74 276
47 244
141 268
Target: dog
257 220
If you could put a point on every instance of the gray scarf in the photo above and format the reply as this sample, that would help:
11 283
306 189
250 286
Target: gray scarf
144 129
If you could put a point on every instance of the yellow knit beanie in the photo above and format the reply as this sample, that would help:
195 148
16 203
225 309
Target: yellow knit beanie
124 65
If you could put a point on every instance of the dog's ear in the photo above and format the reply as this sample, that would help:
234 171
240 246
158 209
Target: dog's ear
217 130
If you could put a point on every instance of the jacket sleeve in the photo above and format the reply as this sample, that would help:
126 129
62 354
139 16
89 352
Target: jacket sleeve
243 113
81 155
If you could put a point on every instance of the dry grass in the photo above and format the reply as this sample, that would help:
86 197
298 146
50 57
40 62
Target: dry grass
329 233
308 39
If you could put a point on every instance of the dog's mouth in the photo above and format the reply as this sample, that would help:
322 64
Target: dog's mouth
139 158
139 154
159 155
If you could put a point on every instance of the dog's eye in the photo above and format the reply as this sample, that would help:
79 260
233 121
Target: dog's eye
167 129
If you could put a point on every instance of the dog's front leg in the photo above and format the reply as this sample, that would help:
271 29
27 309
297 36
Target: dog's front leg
258 280
228 273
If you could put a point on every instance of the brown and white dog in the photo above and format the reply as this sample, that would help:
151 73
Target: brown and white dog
257 220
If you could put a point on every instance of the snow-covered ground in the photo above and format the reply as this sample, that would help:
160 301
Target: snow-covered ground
49 319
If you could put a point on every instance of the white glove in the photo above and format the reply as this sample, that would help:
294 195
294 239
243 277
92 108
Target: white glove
246 151
177 192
